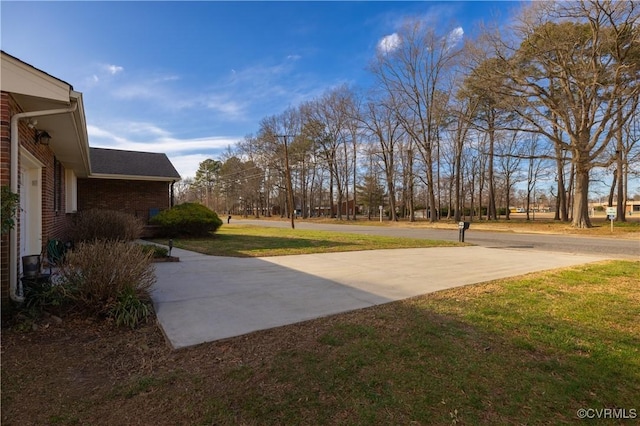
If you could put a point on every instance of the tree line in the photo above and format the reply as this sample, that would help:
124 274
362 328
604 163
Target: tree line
525 114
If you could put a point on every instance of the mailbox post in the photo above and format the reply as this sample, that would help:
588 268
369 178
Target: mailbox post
611 215
462 226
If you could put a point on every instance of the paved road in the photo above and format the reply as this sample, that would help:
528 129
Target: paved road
619 248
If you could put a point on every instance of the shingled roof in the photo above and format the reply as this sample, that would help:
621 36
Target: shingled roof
120 164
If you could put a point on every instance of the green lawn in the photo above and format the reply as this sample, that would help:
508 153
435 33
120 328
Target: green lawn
521 351
257 241
532 350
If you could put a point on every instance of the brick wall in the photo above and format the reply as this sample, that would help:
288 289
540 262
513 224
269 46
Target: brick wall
128 196
54 223
5 152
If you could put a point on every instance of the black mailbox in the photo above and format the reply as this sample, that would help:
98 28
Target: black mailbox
462 226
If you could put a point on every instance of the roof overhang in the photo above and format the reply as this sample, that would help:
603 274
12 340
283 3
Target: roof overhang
21 78
35 90
133 177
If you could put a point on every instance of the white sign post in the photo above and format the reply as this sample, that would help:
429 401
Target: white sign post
611 214
380 208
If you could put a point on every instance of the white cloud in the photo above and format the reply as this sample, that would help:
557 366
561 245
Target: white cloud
102 134
185 154
455 36
146 129
238 96
389 43
136 91
158 140
187 165
164 78
223 105
114 69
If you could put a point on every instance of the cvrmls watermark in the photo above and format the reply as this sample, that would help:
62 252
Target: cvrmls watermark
607 413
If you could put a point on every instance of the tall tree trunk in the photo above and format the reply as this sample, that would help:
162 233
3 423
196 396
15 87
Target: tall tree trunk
392 195
581 196
438 172
508 197
346 179
303 188
561 204
612 190
458 183
622 200
569 192
481 187
491 208
432 196
355 171
331 211
412 214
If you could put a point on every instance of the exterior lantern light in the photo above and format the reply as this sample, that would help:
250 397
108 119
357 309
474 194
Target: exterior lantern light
42 137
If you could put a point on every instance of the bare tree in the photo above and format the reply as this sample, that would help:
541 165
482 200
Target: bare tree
509 162
413 73
574 68
381 122
332 112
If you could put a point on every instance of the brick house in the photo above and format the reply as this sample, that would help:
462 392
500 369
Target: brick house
139 183
46 159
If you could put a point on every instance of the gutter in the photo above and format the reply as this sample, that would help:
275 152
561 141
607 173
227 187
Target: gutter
15 148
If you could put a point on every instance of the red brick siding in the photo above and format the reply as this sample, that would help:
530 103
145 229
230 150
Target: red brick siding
5 153
54 224
129 196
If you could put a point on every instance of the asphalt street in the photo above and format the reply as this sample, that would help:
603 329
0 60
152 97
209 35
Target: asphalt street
619 248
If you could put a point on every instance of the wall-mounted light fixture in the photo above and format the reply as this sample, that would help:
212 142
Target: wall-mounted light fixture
42 137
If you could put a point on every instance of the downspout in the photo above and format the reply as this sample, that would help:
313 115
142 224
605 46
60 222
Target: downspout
171 199
15 148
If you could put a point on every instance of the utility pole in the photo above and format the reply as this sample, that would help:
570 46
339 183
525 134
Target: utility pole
288 181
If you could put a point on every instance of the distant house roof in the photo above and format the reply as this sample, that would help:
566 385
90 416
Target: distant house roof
134 165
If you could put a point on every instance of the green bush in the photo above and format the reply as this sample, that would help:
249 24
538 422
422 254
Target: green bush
96 275
189 219
9 205
156 251
90 225
44 295
129 309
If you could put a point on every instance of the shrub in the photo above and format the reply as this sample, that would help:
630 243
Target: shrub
96 275
156 251
40 296
189 219
129 309
9 205
110 225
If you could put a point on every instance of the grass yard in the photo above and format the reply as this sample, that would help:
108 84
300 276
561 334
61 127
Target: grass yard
526 350
239 240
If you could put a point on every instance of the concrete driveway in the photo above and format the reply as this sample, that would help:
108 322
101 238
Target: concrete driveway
206 298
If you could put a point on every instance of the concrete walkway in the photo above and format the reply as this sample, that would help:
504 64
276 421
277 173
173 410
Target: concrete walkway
206 298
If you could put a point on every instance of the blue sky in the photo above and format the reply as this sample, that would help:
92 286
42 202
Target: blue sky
191 78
